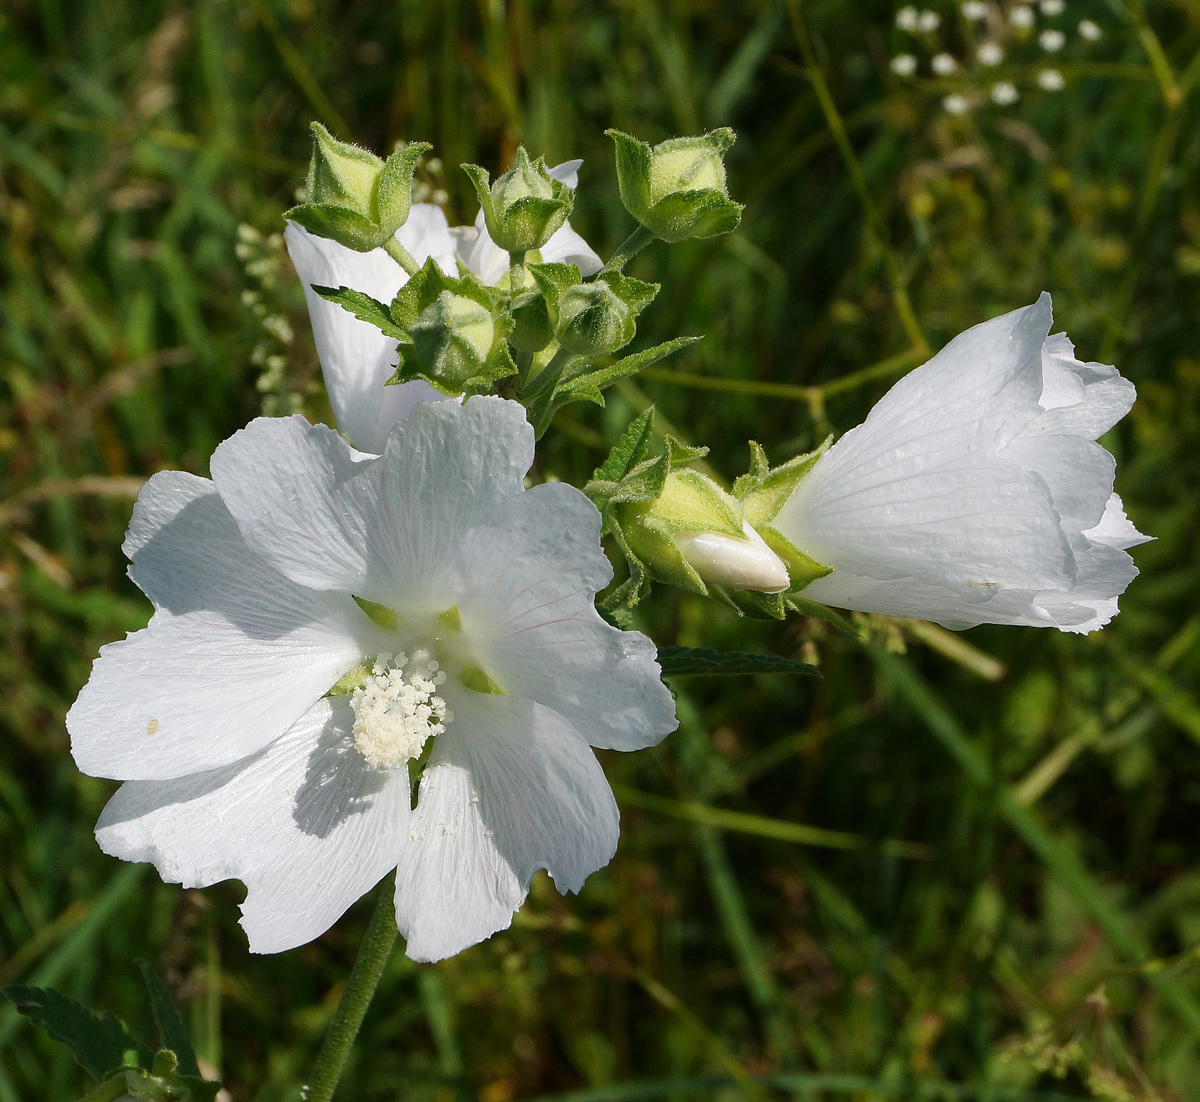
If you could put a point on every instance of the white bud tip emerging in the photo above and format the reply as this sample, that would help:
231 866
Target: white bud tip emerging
736 563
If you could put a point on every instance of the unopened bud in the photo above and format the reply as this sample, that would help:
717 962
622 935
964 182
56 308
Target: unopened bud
354 197
677 188
593 321
736 563
525 206
454 338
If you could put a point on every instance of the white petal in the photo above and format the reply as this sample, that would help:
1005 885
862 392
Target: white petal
235 654
511 788
567 247
1080 399
385 529
526 582
426 234
918 490
1115 528
356 358
568 172
1078 471
305 824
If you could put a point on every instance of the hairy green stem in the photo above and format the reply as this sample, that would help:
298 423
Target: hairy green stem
360 987
516 273
401 256
629 248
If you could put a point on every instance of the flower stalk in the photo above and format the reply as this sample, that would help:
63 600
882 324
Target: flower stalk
373 954
401 256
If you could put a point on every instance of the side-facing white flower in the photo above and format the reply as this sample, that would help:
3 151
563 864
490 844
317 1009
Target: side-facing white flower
487 260
323 621
974 492
356 358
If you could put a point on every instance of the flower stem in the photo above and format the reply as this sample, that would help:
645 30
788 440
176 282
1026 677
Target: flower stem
516 272
629 248
401 256
360 987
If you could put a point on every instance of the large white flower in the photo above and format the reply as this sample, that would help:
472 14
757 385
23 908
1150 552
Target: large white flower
974 492
356 358
449 610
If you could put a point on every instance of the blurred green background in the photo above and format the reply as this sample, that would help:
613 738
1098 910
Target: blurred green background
956 866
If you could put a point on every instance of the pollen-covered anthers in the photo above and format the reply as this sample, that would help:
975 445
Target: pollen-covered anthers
397 709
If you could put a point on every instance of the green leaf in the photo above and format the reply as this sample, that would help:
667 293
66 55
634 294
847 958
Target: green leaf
100 1042
172 1033
690 661
629 451
589 386
365 308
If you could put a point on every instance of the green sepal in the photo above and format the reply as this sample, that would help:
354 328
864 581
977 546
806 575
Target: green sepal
763 492
382 615
532 328
523 208
365 308
163 1083
101 1043
354 197
677 189
700 661
351 679
478 681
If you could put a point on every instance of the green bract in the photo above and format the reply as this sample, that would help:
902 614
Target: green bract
354 197
763 492
592 319
525 206
677 188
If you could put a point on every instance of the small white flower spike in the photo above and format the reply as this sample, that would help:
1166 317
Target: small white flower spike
325 621
1052 80
904 65
929 21
1089 30
974 492
943 64
975 9
1051 8
1005 93
1052 41
907 18
956 104
1021 16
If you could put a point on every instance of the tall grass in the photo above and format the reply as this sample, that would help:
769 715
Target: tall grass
957 866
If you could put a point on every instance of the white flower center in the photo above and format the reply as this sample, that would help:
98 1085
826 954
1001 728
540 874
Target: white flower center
397 709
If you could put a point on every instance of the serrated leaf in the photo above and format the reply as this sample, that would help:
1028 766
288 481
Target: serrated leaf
100 1042
591 385
172 1033
365 308
629 451
693 661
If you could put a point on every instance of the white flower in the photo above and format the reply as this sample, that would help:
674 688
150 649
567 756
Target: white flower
904 65
956 104
1052 80
975 492
459 605
990 53
1052 7
1021 16
356 358
1052 41
975 9
943 64
1005 94
1089 30
929 21
907 18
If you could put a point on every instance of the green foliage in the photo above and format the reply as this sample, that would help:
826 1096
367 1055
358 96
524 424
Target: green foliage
691 661
135 140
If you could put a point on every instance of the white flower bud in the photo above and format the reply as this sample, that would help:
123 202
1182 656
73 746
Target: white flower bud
735 563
